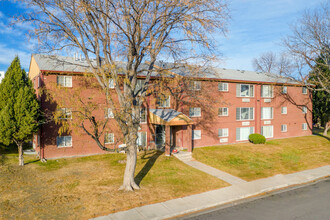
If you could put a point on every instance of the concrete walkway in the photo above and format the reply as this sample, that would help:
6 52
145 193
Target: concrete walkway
220 196
186 157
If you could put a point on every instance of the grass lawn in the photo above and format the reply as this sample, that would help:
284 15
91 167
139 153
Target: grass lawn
81 188
281 156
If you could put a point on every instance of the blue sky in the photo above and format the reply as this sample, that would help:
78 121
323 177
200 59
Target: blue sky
256 26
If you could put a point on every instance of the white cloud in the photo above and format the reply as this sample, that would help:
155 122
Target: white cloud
8 54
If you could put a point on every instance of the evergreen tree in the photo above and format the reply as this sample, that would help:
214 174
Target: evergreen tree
19 108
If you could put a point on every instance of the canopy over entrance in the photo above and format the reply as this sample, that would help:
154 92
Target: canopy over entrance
169 117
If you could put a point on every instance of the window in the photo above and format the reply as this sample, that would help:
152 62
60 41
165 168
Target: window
304 109
267 131
223 132
266 113
143 115
304 90
266 91
242 134
284 128
65 113
304 126
194 112
139 85
244 90
223 112
163 101
196 134
108 113
223 86
284 110
142 139
111 84
64 81
109 138
284 90
64 141
244 113
195 85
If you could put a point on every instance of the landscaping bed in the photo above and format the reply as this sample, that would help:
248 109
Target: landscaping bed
282 156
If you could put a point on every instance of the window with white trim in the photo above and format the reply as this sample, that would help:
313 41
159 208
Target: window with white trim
163 101
304 90
196 134
109 138
108 113
195 112
143 115
244 113
266 91
64 81
64 141
284 128
111 83
223 111
139 85
304 126
142 139
223 87
65 113
284 90
195 85
304 109
267 131
242 134
244 90
223 132
284 110
266 113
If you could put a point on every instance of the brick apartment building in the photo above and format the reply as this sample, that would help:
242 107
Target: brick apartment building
241 103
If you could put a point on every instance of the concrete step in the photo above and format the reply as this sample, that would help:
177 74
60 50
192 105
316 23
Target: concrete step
184 156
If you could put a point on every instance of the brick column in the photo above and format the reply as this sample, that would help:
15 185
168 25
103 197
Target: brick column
167 140
190 141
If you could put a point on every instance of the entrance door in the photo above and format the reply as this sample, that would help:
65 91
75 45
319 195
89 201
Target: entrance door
160 135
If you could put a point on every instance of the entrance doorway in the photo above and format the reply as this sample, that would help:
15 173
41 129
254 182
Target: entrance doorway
160 136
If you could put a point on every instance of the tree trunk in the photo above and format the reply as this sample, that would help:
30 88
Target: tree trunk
326 128
20 154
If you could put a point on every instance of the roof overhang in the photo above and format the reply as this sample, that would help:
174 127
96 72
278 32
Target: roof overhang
168 117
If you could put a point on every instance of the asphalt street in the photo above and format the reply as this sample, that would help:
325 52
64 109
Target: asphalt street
304 202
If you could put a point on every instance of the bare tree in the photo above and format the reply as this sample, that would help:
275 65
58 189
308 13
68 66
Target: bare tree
270 62
309 46
126 38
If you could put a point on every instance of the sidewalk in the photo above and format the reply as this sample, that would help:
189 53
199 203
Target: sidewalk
218 197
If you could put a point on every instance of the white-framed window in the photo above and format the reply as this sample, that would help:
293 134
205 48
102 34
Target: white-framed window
223 132
108 113
64 81
223 86
64 141
195 112
65 113
284 128
266 91
111 83
139 85
142 139
267 131
266 113
223 111
284 110
284 90
143 115
304 126
304 109
244 90
196 134
304 90
244 113
109 138
195 85
242 134
164 101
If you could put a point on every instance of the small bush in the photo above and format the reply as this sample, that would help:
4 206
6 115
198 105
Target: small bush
257 139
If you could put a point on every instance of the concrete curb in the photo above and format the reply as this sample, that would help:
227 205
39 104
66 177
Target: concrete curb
198 202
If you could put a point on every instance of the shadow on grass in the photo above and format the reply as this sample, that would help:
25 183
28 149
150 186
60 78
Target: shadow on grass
31 161
320 135
147 167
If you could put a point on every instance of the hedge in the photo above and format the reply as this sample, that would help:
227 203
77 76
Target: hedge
257 139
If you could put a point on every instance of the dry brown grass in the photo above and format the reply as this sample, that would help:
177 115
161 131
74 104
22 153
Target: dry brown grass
282 156
81 188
